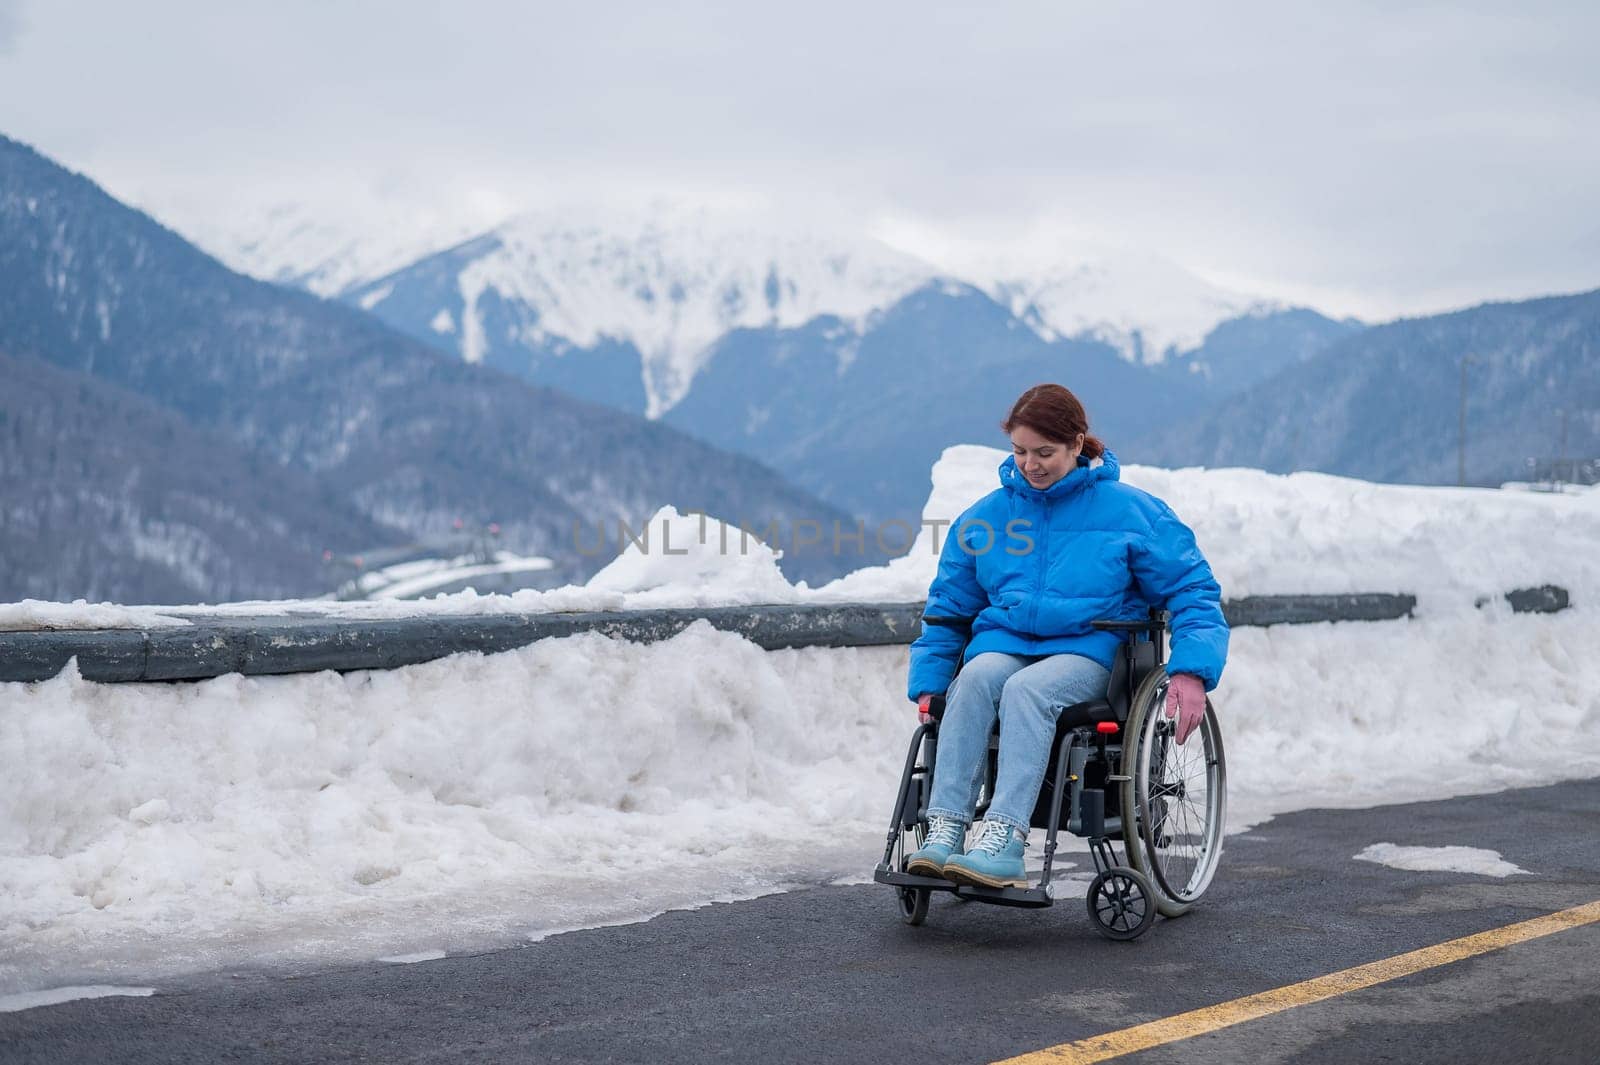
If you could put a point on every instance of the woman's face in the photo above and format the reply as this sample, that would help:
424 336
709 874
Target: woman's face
1043 462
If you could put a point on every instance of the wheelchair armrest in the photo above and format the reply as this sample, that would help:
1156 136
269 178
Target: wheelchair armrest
1127 626
1156 622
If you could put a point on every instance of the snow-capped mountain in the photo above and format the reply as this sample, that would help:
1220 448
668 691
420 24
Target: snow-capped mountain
324 252
1146 307
668 283
807 345
660 287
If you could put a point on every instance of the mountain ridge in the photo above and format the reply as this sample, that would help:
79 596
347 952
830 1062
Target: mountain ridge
579 278
94 473
1385 404
412 438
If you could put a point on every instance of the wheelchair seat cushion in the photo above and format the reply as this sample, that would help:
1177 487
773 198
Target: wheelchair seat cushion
1085 713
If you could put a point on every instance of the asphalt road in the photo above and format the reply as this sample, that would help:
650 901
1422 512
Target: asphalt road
831 974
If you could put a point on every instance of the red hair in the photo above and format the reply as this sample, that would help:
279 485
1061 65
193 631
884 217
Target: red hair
1055 414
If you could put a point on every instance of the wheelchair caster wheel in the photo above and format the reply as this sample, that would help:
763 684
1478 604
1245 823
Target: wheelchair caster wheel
913 904
1121 903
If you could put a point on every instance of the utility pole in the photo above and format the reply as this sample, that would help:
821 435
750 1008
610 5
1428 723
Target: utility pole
1461 426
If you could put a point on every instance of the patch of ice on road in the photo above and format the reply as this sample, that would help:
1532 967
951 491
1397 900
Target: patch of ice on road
1441 860
412 959
54 996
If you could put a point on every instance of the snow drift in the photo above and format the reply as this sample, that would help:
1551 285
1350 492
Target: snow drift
151 829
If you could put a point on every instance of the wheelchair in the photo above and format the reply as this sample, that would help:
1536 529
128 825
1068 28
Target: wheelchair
1115 770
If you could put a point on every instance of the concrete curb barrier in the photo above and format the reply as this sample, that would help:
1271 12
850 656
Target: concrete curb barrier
267 645
1263 610
1545 599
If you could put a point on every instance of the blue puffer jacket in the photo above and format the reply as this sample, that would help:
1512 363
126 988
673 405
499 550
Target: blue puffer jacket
1039 566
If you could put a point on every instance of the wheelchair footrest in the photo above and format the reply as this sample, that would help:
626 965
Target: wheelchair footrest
1028 897
1032 898
884 875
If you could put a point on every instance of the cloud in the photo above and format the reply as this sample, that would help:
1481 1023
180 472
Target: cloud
11 25
1388 155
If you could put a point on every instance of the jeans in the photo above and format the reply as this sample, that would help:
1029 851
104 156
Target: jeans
1026 695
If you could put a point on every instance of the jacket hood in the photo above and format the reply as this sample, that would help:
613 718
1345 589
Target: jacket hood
1104 468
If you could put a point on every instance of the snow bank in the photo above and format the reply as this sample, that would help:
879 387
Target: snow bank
1313 533
1264 533
481 799
469 800
693 561
31 614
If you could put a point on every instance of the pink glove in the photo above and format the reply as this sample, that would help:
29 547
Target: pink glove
1186 701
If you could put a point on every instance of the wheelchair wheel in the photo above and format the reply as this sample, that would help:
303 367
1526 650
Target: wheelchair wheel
1177 795
914 904
1121 903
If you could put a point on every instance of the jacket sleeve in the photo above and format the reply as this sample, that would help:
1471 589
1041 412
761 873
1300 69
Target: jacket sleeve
954 598
1173 574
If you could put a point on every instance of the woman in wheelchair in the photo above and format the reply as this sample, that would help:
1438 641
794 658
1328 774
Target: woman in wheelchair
1022 574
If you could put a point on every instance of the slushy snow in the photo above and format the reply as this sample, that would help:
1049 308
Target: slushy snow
27 1000
479 800
413 959
1477 860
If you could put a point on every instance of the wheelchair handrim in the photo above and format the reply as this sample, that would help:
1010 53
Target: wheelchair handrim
1180 837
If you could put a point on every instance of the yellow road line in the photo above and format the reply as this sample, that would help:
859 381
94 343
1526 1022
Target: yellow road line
1227 1014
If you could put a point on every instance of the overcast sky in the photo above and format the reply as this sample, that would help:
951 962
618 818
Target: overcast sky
1368 158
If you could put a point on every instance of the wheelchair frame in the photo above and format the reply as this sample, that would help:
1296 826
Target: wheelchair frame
1095 752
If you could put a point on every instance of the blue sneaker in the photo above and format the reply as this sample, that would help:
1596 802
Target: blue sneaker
945 837
995 859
